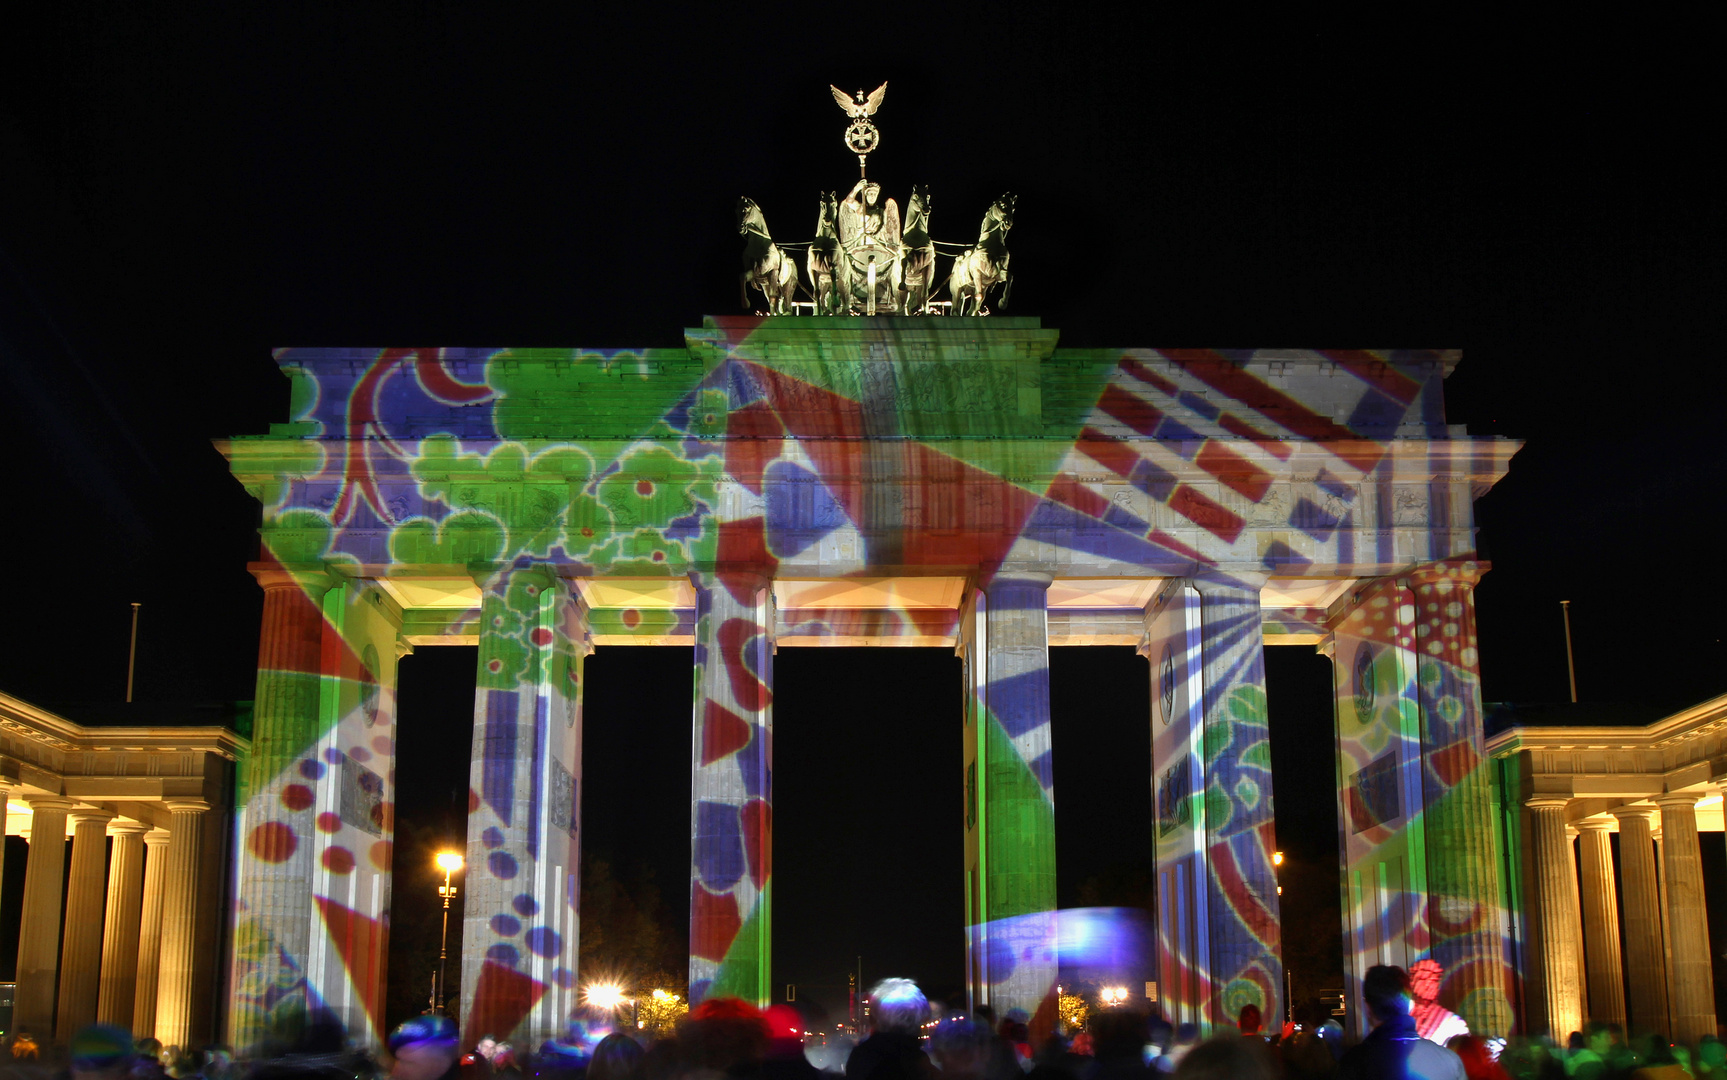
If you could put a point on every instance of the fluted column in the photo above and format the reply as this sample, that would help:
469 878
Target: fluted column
1577 906
1016 797
150 934
120 924
1601 923
39 931
731 787
1464 918
180 917
1556 900
1645 951
5 796
1690 982
520 933
274 913
1244 929
81 944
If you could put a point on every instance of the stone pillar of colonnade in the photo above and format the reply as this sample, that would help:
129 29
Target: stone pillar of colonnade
39 929
1466 918
731 789
1382 844
5 797
1010 798
121 923
177 964
150 934
1645 959
272 929
1556 907
520 915
81 942
1600 902
1690 981
1244 924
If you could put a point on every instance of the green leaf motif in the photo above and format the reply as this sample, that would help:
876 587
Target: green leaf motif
1246 705
1218 737
297 536
460 539
1219 809
1246 792
507 664
651 488
1256 755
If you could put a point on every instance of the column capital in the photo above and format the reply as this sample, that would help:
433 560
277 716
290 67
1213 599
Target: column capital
157 837
1022 578
1649 815
1218 581
186 805
86 815
1686 800
127 827
1595 824
316 580
1450 574
1547 802
50 803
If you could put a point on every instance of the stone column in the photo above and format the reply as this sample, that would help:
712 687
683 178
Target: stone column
731 791
519 930
150 934
120 925
1645 952
180 915
1245 934
1577 906
1556 903
5 796
81 944
1464 916
1015 795
1690 981
1600 898
273 921
39 931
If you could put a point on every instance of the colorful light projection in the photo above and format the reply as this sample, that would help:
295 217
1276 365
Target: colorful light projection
425 495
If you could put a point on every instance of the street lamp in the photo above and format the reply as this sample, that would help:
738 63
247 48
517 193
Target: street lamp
1114 995
449 862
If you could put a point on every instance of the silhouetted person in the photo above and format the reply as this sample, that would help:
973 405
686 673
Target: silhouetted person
1228 1057
618 1057
785 1058
1394 1050
725 1035
898 1010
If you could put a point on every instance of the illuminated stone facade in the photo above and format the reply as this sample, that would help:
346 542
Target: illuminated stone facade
141 942
785 482
1568 789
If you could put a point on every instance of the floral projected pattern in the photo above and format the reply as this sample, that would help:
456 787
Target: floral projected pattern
893 481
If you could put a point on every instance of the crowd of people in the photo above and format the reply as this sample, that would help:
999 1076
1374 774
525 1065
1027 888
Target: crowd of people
727 1039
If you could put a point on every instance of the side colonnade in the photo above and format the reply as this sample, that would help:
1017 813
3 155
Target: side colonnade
123 934
1630 947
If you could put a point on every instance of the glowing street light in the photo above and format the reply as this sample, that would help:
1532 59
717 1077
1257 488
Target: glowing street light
606 996
1277 858
1113 995
449 862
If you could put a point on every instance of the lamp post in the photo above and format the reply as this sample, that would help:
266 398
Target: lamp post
449 862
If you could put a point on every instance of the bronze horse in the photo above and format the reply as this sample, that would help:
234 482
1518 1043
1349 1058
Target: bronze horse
820 261
765 266
917 254
984 265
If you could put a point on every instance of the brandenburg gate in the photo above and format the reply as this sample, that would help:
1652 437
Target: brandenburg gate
957 482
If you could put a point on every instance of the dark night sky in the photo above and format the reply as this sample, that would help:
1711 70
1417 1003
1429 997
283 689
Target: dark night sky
184 188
